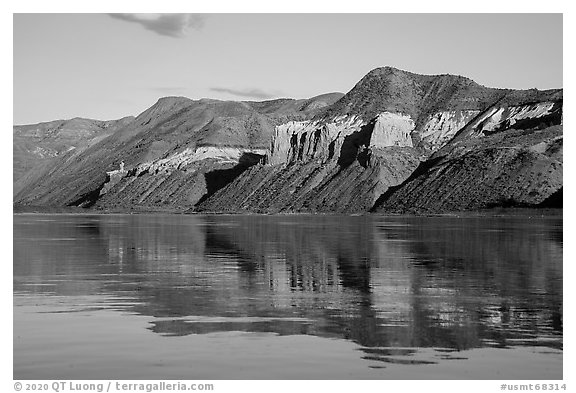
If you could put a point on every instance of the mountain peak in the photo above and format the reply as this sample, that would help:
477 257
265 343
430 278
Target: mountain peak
389 89
393 71
385 70
171 100
389 71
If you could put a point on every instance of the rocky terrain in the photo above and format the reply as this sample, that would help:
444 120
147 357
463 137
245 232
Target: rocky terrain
397 142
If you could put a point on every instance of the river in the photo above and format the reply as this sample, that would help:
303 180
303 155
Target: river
287 297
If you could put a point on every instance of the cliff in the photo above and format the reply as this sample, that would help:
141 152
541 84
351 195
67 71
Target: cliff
339 166
396 142
370 150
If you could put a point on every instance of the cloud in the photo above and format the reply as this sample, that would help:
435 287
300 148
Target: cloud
171 25
248 92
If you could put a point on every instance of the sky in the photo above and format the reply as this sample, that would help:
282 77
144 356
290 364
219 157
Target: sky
107 66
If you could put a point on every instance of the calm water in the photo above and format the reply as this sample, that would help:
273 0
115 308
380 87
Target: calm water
287 297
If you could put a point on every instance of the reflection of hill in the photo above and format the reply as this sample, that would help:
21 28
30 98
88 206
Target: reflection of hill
314 249
495 279
378 281
59 254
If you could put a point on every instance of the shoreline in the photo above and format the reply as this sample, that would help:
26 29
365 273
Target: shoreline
492 212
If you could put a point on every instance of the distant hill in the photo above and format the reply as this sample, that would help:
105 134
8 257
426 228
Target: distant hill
36 144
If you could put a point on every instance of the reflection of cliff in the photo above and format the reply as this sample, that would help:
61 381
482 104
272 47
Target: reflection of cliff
495 280
320 254
461 290
378 281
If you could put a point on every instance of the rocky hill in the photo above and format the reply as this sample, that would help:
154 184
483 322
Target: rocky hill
397 142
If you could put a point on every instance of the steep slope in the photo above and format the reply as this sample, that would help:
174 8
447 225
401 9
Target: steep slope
516 169
315 186
389 89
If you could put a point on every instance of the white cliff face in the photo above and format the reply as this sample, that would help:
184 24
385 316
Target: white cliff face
308 140
496 117
338 130
286 139
343 125
180 160
442 126
186 157
189 156
176 161
392 129
303 141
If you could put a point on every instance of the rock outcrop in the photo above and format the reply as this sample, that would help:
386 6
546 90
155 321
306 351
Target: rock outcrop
303 141
441 127
502 117
392 129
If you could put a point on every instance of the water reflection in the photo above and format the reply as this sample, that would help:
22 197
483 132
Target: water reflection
381 282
